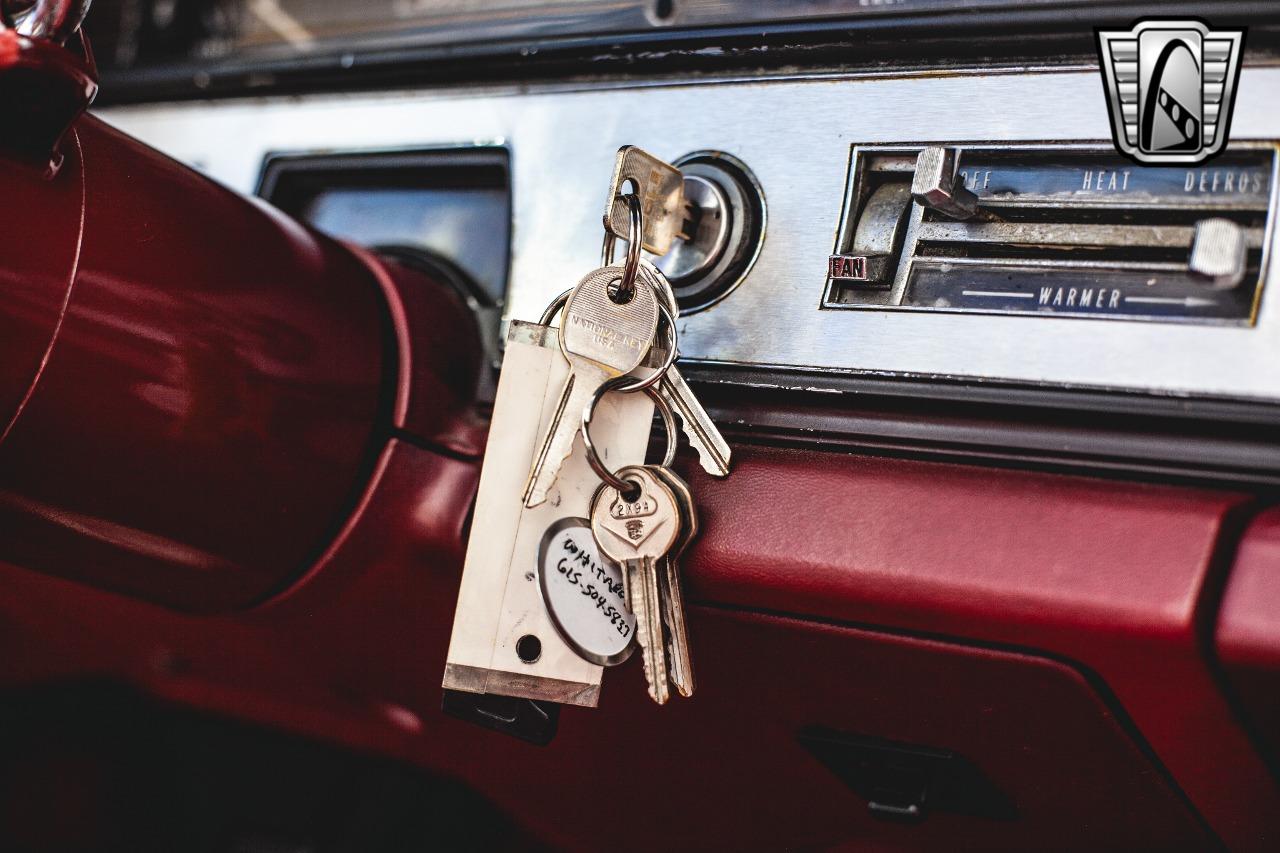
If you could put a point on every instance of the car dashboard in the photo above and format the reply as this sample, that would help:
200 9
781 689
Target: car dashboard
995 565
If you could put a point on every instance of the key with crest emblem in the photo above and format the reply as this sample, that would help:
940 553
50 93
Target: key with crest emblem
671 589
601 339
637 533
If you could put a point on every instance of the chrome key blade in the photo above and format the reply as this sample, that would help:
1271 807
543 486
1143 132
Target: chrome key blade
704 437
713 451
557 441
637 534
672 589
643 574
679 658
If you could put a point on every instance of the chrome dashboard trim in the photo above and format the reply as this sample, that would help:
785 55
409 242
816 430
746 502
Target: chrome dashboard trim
796 136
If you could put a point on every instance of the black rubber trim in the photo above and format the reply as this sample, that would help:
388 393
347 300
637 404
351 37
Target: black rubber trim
964 37
1229 443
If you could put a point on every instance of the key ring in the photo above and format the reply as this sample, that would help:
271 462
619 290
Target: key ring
625 487
635 235
554 308
627 284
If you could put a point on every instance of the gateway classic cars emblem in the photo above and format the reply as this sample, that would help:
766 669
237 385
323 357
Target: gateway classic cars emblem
1170 85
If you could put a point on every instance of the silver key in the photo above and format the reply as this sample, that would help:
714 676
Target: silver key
672 590
660 187
713 451
637 534
601 339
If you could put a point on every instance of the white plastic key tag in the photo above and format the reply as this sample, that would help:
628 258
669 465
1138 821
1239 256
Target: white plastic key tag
499 602
584 593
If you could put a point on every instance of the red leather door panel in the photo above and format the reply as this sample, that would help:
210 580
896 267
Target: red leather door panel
1248 630
354 653
1111 575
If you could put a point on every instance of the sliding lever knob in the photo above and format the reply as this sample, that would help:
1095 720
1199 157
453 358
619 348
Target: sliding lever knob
1218 253
935 184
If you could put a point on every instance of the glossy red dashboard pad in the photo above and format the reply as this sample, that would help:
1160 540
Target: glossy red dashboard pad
1248 629
35 276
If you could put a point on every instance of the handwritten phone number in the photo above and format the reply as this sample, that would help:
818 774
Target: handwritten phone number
573 575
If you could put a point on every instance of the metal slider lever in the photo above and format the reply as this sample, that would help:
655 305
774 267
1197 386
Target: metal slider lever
1218 253
936 187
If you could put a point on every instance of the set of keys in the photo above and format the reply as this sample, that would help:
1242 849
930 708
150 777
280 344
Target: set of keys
642 517
597 531
603 339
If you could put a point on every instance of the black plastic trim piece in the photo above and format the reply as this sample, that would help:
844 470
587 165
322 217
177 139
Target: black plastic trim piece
528 720
906 782
921 39
1230 443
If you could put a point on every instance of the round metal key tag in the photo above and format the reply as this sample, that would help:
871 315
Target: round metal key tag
583 593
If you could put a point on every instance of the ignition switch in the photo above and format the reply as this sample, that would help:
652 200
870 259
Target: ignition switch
703 234
722 231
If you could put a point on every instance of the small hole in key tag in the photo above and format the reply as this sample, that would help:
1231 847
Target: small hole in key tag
529 648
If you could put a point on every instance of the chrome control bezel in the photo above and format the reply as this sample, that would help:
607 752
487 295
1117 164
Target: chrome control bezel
563 138
893 297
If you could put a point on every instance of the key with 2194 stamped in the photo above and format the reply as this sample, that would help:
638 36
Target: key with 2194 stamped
713 451
638 533
601 339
